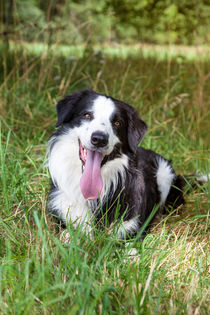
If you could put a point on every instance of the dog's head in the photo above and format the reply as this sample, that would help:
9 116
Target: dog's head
105 127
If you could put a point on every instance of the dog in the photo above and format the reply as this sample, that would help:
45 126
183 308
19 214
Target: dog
97 166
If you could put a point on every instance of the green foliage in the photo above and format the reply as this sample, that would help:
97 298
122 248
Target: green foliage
164 21
73 21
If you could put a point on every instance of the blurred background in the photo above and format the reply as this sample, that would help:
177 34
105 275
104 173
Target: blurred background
73 22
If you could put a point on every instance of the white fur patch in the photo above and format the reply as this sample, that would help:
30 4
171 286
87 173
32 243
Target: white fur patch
127 227
66 170
204 178
165 176
110 174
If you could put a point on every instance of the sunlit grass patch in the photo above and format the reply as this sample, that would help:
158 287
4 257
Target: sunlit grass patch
142 50
161 52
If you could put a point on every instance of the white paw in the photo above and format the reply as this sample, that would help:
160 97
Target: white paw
65 237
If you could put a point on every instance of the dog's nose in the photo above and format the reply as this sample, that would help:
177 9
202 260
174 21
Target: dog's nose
99 139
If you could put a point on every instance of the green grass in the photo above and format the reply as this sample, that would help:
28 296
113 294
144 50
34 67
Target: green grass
39 274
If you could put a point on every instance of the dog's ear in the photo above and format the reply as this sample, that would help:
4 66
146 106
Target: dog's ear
65 107
136 129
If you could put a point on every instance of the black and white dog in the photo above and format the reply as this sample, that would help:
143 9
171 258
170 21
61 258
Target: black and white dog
96 165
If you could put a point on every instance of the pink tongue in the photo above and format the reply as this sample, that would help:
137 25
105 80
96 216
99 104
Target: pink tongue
91 182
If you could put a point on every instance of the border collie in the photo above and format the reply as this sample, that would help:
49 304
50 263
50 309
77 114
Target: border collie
96 165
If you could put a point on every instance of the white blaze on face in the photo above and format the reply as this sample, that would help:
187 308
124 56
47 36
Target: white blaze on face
91 182
102 109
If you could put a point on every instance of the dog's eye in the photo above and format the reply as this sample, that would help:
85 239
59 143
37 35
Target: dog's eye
87 116
117 123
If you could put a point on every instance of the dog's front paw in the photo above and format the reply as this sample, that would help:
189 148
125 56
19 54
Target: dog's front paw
65 237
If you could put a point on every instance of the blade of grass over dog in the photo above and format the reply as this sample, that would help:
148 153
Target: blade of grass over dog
147 222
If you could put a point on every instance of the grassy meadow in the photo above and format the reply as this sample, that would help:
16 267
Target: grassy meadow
39 274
